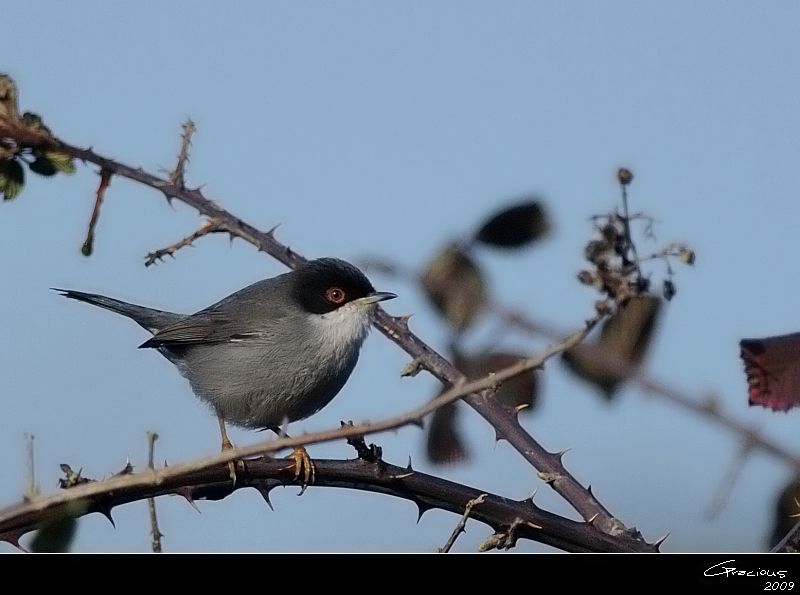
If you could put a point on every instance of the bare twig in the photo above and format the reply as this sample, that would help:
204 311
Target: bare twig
626 219
728 482
31 490
105 180
462 522
212 482
177 176
155 533
505 422
206 228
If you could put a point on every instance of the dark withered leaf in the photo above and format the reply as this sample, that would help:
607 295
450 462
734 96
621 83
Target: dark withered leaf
43 166
519 391
12 178
624 338
515 226
669 290
786 515
445 444
455 286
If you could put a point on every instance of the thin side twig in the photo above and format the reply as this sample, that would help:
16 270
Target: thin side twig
155 532
31 491
462 522
177 176
105 180
206 228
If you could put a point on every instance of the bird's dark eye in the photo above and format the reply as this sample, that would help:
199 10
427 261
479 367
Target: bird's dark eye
335 295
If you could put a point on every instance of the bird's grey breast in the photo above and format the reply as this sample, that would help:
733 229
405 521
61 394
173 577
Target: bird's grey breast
262 361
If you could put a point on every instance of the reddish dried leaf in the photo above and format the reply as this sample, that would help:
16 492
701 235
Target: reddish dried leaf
772 366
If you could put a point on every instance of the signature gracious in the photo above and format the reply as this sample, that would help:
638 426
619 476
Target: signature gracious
721 570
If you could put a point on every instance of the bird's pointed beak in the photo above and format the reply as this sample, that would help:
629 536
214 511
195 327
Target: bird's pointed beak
377 296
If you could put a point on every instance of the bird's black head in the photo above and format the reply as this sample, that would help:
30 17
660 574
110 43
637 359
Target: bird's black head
323 285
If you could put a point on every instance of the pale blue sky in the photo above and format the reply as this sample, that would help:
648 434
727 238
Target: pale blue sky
369 128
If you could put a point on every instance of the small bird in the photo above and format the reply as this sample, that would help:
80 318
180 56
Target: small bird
274 352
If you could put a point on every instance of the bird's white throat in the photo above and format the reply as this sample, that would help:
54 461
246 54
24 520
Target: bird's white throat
344 326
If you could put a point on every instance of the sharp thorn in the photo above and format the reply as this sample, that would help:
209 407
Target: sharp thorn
593 518
265 494
187 495
422 509
106 512
409 463
658 542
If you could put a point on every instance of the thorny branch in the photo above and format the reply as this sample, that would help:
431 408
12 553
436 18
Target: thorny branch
504 421
211 480
178 174
206 228
13 520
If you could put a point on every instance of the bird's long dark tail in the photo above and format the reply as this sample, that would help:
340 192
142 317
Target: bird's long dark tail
148 318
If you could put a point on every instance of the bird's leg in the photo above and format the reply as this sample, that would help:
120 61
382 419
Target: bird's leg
228 445
302 463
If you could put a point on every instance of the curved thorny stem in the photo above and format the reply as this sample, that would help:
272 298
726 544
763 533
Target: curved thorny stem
503 419
368 473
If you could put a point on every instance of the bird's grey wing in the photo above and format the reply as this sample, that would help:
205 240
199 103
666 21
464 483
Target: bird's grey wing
247 314
201 328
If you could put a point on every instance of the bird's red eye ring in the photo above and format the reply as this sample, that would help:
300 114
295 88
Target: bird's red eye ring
335 295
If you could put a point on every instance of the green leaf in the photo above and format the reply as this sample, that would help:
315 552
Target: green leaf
12 178
43 166
515 226
61 161
55 534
